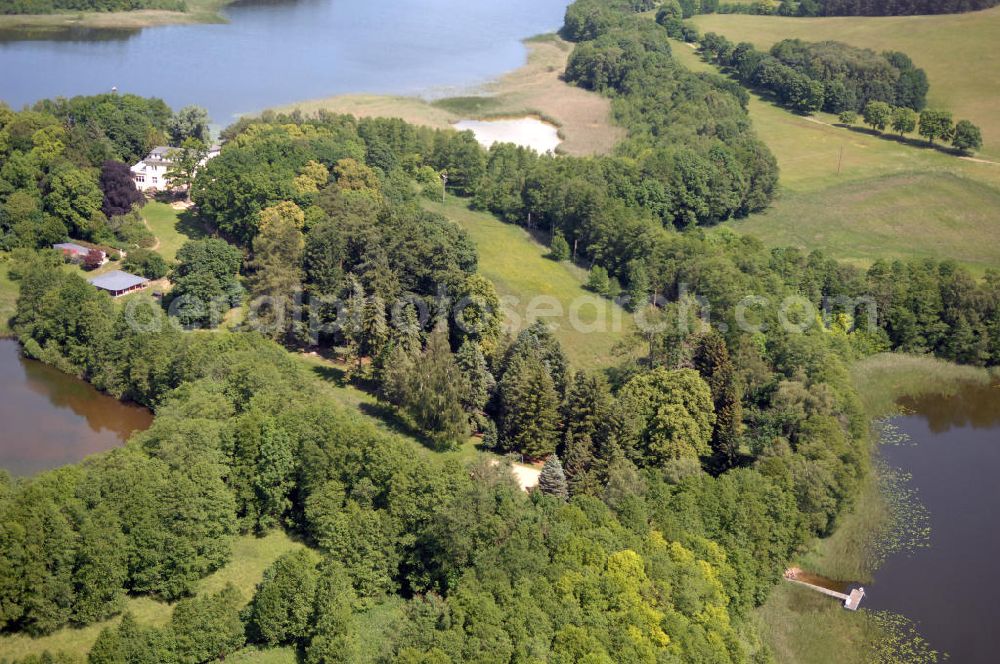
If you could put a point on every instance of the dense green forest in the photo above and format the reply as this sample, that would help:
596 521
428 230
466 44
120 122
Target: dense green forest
677 485
61 6
829 76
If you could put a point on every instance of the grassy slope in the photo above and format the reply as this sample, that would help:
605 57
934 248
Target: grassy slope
583 118
251 556
889 199
8 297
516 264
163 222
958 51
199 11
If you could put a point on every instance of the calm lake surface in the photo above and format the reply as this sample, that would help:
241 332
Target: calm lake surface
276 52
951 588
49 419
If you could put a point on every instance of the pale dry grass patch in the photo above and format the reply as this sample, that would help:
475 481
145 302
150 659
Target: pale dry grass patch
535 89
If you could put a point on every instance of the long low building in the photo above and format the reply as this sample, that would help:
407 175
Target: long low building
77 252
119 283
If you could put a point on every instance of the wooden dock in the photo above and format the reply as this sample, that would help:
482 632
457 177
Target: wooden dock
851 601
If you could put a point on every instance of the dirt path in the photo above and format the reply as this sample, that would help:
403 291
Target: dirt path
975 160
156 239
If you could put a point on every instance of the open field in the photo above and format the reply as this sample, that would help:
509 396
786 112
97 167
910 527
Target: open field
861 197
251 556
583 118
958 51
199 11
932 215
517 266
264 656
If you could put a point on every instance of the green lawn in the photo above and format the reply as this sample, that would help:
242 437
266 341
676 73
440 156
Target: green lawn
804 627
251 556
167 225
958 51
934 215
860 197
516 264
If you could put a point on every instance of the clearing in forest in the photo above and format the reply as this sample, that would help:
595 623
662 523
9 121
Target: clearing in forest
517 265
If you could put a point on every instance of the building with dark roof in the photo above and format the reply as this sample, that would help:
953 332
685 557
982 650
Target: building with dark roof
119 283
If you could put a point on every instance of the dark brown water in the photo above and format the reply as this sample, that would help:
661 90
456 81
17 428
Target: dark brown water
49 419
951 589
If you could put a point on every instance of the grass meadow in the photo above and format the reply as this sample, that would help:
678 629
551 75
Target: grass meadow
517 265
958 51
860 197
165 223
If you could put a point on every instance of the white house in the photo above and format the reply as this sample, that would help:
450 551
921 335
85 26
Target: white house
150 174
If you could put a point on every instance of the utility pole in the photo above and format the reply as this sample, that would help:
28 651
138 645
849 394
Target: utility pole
444 185
840 162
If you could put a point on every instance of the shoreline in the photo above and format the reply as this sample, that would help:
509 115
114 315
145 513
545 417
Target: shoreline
533 90
804 628
31 25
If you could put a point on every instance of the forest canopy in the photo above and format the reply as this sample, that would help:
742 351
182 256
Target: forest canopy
829 76
676 486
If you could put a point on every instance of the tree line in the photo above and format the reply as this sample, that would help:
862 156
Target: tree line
61 6
844 7
930 124
890 7
884 90
828 76
691 156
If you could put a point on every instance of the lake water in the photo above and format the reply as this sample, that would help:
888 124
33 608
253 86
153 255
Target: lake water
276 52
528 132
49 419
950 588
